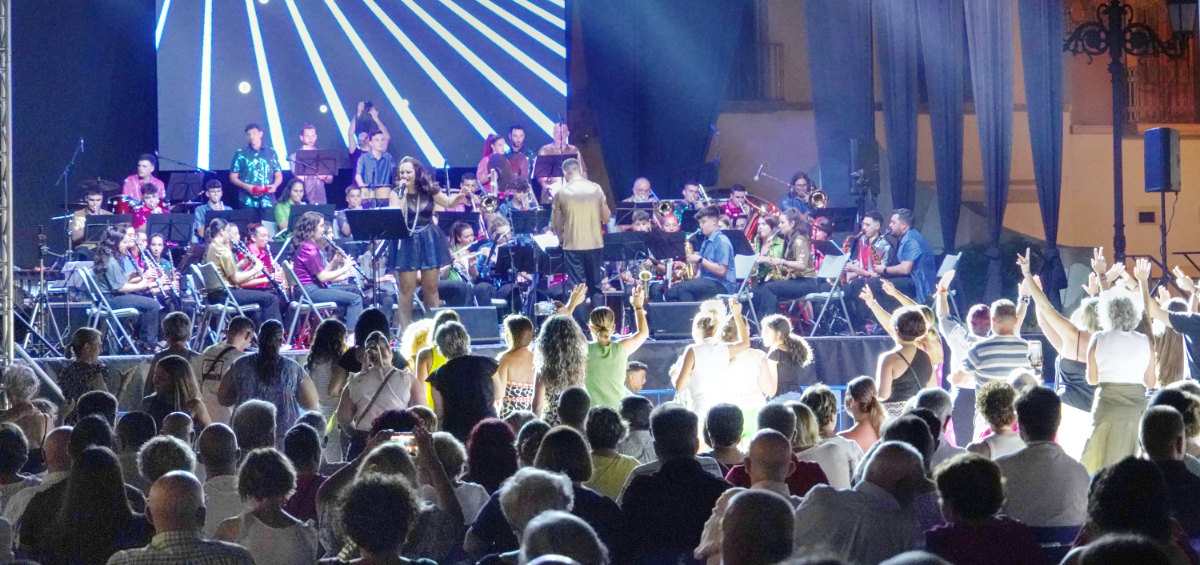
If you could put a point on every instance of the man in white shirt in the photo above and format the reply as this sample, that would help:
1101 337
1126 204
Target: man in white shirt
938 401
769 462
58 468
960 337
211 365
1044 486
872 521
218 451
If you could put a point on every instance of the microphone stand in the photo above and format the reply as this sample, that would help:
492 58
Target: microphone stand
182 163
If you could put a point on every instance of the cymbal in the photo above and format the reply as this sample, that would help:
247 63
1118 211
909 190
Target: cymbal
103 185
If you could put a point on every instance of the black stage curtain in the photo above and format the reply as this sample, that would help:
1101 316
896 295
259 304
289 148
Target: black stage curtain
656 76
80 69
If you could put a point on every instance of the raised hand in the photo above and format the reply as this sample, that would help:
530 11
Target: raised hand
1141 270
1092 288
1114 272
866 295
1184 282
638 298
1099 264
735 307
1163 296
887 286
1023 262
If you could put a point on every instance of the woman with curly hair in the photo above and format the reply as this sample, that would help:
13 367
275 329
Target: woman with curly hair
560 359
1120 363
995 401
787 355
704 367
422 255
324 282
378 388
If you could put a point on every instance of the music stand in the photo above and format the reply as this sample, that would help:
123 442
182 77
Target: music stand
310 162
625 246
550 166
741 245
325 210
827 248
95 226
666 245
176 228
375 225
530 221
242 218
447 219
184 186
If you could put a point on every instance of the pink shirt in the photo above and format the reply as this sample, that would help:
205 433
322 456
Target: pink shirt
308 263
133 187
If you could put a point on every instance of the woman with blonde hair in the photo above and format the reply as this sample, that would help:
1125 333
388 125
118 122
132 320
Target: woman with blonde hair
378 388
704 366
175 390
560 361
751 383
862 405
608 358
516 366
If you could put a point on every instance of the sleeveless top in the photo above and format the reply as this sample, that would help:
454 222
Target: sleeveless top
424 215
1121 357
1070 379
709 381
913 379
605 374
294 544
517 396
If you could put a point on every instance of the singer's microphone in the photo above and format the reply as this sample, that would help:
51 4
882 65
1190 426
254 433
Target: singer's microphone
81 146
759 173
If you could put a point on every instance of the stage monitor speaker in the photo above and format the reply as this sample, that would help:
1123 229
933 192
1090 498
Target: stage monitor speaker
1162 160
671 320
482 322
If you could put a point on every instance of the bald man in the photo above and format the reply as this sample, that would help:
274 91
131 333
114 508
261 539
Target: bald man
217 449
872 521
758 529
176 510
58 467
178 424
769 462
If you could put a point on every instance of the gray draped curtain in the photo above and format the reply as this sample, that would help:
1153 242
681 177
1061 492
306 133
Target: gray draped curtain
990 42
1042 59
898 50
842 86
943 50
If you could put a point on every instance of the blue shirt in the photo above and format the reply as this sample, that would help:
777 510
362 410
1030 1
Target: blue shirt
376 172
794 202
913 247
201 214
718 249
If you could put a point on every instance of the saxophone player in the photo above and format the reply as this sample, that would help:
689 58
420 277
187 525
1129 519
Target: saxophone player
796 266
713 262
767 244
869 249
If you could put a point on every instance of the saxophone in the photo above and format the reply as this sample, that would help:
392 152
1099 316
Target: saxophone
690 271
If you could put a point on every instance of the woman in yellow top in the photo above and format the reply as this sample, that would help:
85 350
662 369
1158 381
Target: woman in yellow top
610 469
430 359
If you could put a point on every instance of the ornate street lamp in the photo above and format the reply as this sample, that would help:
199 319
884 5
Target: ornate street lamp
1114 32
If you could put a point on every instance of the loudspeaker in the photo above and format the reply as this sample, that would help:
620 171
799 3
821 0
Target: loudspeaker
1162 160
671 320
482 322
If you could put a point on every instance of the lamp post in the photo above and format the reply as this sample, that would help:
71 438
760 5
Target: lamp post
1114 32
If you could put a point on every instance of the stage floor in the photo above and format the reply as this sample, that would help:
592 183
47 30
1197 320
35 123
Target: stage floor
836 360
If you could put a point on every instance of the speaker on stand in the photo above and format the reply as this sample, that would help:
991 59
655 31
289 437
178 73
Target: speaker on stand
1162 176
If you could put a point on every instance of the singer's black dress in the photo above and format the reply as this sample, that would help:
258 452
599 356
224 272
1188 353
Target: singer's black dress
427 247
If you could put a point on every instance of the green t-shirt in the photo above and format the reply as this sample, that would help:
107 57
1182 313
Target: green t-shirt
605 378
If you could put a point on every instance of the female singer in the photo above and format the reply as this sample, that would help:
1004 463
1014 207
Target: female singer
294 193
320 279
123 287
796 266
239 274
425 252
768 245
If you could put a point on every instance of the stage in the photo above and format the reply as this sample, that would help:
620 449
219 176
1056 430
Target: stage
836 360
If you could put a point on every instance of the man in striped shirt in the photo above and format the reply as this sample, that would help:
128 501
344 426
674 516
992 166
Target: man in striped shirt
995 357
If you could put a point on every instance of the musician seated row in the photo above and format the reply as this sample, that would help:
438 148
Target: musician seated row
460 281
245 278
324 281
793 274
713 263
122 284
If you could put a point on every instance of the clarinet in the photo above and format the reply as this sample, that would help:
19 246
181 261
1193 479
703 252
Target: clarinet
270 274
358 279
157 288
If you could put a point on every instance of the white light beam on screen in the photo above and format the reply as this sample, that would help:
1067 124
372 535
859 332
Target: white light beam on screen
278 141
439 79
537 36
205 121
547 76
432 155
162 22
331 97
559 3
539 118
554 20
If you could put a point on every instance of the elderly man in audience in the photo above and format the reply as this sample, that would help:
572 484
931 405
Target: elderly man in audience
872 521
254 425
995 357
1162 439
938 401
769 462
526 494
971 490
665 511
163 454
218 452
1044 486
561 534
58 468
758 528
708 464
177 512
804 475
